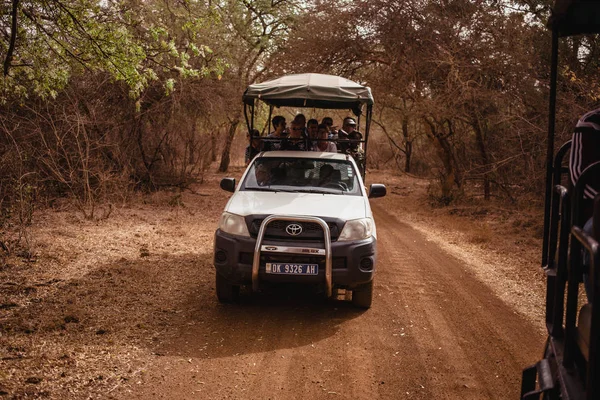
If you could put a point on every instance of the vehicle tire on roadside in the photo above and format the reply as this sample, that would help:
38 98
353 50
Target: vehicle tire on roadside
226 292
362 296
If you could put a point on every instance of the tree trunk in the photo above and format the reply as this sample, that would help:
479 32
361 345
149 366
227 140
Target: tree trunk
408 159
213 147
476 123
451 173
451 153
192 145
449 167
407 145
225 155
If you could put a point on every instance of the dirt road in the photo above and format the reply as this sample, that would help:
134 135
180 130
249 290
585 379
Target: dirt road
125 308
434 331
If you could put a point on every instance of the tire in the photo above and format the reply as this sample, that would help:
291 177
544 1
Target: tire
362 296
226 292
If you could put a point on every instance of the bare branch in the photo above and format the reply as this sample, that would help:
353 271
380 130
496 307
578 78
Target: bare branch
13 37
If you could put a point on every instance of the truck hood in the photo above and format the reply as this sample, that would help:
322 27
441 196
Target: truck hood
313 204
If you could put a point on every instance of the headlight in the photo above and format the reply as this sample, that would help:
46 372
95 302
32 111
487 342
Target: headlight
233 224
357 229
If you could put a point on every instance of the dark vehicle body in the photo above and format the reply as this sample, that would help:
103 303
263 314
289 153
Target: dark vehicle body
569 368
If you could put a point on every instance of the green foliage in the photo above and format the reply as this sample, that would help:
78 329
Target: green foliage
134 43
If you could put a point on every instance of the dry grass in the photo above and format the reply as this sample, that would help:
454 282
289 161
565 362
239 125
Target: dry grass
481 235
77 319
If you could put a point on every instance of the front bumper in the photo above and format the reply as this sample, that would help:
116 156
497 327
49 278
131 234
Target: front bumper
353 263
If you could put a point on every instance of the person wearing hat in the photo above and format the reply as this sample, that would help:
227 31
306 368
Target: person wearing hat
348 126
254 147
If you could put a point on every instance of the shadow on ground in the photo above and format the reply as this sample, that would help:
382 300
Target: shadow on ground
162 305
284 317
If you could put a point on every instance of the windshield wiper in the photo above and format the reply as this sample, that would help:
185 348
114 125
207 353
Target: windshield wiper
321 191
269 189
298 190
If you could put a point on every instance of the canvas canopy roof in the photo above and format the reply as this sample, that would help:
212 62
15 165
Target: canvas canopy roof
574 17
310 90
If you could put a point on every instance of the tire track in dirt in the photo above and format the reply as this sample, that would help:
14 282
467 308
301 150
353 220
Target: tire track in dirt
474 345
434 331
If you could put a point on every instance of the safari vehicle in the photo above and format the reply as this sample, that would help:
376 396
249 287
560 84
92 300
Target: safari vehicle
569 368
300 216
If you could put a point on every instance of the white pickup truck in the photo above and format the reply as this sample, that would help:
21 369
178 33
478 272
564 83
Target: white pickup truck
298 217
301 216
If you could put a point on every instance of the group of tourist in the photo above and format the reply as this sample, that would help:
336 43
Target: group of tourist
303 135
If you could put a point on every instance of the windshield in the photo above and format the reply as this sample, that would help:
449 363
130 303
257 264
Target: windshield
302 175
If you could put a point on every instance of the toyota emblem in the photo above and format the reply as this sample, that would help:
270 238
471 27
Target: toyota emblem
293 229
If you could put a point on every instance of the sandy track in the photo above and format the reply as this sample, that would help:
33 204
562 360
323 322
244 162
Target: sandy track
434 331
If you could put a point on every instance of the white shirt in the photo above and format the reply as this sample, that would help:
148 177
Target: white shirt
331 148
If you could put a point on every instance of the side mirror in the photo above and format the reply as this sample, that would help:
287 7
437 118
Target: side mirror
228 184
377 190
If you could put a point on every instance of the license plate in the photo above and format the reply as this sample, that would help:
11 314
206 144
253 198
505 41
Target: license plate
292 269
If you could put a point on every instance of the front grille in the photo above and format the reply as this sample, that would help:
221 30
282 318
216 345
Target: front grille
291 259
277 230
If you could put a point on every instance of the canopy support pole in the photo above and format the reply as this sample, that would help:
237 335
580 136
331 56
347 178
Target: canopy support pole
269 121
367 127
248 124
550 150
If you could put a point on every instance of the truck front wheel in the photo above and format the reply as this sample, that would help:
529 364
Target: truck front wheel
226 292
362 296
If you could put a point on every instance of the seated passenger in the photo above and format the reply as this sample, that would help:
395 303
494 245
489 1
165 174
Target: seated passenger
337 178
278 176
300 119
328 121
355 150
273 141
348 126
323 142
263 175
326 174
312 127
585 150
254 147
295 140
